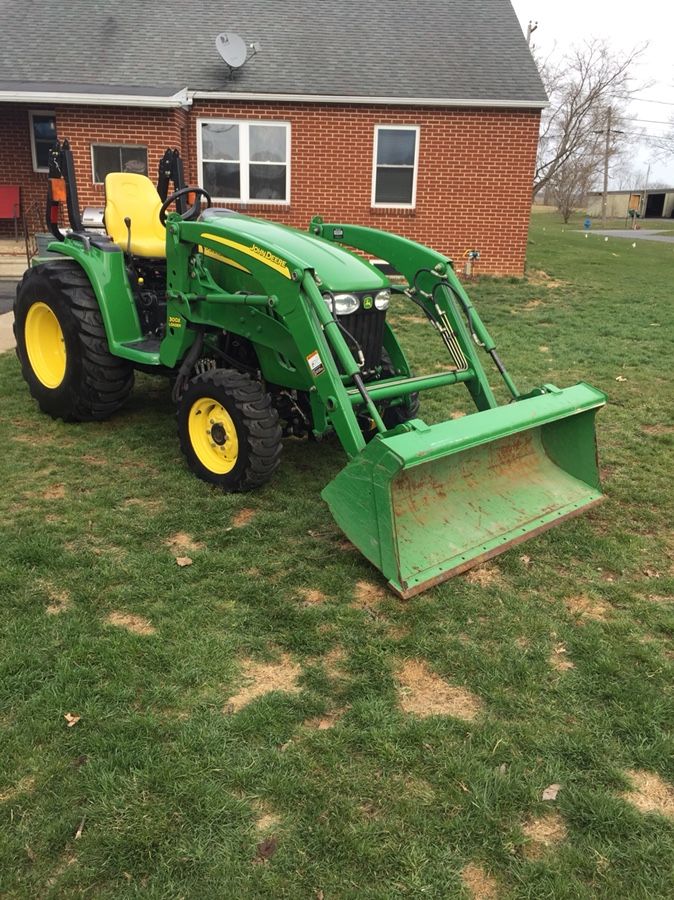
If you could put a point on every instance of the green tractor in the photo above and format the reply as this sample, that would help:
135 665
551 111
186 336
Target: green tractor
268 331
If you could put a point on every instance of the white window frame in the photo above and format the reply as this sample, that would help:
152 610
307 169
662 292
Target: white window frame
244 159
31 114
417 131
118 146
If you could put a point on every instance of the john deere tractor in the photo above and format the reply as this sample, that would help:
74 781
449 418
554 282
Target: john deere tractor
266 332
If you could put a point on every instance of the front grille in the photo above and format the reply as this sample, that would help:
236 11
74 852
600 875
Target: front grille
367 327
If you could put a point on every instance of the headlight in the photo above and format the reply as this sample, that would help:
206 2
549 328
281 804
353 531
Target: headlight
345 304
382 300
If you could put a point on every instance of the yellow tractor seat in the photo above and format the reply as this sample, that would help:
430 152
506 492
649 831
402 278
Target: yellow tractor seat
136 198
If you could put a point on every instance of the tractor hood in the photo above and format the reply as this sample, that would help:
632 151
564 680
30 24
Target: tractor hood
338 269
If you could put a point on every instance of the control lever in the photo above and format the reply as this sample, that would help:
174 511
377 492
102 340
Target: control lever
127 222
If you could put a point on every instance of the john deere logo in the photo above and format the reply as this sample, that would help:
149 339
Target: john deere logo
367 302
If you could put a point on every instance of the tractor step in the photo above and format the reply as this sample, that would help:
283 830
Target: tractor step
146 345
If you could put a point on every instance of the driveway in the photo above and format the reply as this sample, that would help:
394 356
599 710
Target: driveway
7 294
641 235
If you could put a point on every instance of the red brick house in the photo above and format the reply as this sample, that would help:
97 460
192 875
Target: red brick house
417 118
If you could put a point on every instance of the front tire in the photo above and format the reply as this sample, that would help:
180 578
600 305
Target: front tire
228 430
63 348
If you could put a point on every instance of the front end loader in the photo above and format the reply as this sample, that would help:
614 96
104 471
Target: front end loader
266 332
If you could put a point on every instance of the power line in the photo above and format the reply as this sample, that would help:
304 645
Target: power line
647 121
645 100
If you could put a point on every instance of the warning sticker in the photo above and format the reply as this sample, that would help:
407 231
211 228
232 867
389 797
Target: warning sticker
315 364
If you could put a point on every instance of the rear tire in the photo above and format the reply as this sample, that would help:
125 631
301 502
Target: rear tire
228 430
63 348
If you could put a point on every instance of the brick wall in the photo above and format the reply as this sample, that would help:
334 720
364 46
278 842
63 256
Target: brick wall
474 179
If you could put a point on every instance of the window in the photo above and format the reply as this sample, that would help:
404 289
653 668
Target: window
42 138
396 156
245 161
106 158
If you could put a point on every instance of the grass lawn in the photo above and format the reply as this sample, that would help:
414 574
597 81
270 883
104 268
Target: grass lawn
269 722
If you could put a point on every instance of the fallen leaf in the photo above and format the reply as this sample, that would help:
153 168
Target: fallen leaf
183 561
80 829
71 719
266 849
525 559
621 378
551 791
651 573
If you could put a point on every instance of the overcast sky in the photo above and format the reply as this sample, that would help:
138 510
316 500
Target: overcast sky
624 24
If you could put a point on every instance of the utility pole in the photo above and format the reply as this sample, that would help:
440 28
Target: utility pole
604 198
531 27
608 131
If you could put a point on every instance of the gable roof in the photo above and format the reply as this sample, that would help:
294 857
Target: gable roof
433 51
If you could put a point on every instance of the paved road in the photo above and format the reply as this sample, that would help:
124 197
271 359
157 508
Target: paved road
641 235
7 293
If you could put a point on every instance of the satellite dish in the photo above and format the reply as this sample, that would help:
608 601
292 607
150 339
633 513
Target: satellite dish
232 48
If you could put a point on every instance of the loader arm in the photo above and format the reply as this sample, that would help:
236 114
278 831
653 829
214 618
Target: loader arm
434 286
423 502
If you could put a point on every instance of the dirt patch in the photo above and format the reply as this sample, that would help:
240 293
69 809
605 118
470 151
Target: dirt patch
585 607
332 662
181 542
543 833
243 517
264 677
367 595
423 693
323 723
538 276
346 546
544 349
417 790
136 624
60 601
484 576
266 819
150 506
559 660
33 440
67 860
397 632
24 786
650 793
312 596
408 318
523 643
533 304
54 492
479 883
658 429
92 460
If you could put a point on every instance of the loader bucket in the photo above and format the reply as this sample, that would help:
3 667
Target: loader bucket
428 503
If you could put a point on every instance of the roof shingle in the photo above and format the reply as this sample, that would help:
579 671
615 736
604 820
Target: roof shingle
426 49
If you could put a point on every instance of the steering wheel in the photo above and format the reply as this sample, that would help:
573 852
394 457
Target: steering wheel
194 210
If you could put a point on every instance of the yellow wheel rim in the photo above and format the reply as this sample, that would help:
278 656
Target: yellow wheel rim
45 345
213 436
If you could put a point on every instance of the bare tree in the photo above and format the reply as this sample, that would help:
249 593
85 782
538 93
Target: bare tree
582 86
571 184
